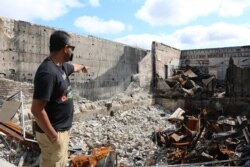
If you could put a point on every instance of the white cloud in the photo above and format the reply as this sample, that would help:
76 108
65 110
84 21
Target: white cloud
178 12
94 3
140 40
213 36
95 25
32 9
233 7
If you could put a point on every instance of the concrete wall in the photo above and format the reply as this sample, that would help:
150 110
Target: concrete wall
23 46
145 71
165 60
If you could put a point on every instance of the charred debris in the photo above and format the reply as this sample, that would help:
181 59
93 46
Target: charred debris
211 127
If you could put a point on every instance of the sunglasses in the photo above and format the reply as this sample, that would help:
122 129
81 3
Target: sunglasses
70 46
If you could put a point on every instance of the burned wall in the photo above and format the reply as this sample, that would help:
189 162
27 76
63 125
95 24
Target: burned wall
23 46
207 70
237 81
215 60
165 59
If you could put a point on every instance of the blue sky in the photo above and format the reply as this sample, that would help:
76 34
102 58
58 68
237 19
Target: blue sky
183 24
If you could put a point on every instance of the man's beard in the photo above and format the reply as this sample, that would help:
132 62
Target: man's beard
69 57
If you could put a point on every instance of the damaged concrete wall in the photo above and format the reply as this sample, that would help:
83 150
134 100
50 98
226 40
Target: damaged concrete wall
23 46
145 71
215 60
165 59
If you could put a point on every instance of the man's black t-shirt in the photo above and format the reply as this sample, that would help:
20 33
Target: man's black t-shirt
52 84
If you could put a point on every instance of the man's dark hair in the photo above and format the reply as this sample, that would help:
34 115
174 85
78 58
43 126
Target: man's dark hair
58 40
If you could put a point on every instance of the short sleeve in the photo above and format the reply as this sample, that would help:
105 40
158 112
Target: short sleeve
68 68
43 86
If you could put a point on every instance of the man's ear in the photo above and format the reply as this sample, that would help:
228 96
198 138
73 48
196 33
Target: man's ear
65 50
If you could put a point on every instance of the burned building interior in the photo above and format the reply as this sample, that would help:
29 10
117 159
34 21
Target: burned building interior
135 107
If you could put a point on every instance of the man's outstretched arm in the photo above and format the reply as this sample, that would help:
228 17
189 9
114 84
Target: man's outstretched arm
80 68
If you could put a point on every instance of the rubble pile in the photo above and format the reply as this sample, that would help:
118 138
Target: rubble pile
186 83
213 127
125 121
16 154
208 137
128 131
15 149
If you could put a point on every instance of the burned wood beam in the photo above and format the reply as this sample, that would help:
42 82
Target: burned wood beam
193 144
16 133
94 158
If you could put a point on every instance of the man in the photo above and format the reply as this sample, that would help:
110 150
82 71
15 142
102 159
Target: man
52 104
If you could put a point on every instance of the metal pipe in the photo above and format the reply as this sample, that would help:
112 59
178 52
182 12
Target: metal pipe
23 123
